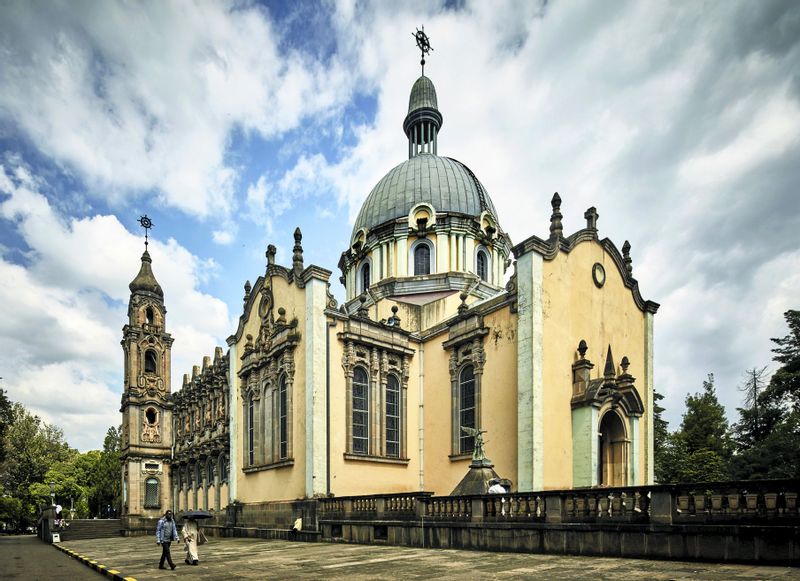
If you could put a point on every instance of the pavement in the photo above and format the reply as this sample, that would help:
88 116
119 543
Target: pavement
26 557
223 559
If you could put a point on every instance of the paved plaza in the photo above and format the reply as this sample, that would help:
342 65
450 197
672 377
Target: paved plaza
137 557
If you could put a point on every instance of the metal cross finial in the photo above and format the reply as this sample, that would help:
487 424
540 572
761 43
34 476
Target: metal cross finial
424 45
146 223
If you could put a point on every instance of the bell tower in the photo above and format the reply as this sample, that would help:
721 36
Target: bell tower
146 405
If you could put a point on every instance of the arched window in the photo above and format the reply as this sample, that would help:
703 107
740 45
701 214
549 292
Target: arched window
223 469
360 411
149 316
466 407
210 472
392 416
151 494
251 433
422 259
199 475
149 361
482 265
283 427
152 415
365 277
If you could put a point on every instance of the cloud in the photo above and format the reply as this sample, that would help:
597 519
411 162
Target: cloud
63 309
145 98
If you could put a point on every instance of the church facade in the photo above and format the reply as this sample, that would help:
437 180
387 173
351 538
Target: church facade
546 345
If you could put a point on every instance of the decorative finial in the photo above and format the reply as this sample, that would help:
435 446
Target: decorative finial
281 316
145 223
424 45
270 254
556 229
582 348
626 257
463 307
247 289
363 310
394 320
610 370
297 259
624 364
591 216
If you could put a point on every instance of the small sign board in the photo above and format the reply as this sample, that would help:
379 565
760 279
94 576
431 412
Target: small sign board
56 537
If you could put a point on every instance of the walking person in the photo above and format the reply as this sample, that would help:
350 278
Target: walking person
166 532
191 535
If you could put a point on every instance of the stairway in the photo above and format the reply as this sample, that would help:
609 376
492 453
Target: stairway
91 529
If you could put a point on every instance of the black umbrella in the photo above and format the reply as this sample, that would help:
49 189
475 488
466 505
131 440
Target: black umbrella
197 514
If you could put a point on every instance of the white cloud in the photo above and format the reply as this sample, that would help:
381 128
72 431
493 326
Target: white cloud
63 310
146 97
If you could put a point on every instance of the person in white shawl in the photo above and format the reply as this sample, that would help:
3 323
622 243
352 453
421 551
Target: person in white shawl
191 534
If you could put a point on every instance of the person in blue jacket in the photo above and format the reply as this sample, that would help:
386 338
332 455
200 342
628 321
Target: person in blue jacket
166 532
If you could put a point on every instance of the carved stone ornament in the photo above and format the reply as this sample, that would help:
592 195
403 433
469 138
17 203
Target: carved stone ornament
151 432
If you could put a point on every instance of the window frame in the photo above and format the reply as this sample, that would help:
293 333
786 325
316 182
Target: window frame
412 270
398 416
283 417
365 266
364 413
487 256
148 501
466 442
147 354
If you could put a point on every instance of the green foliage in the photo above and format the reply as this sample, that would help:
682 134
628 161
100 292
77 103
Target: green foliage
36 455
768 429
31 448
662 445
6 418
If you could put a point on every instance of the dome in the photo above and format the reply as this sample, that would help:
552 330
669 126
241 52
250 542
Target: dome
448 185
423 95
146 280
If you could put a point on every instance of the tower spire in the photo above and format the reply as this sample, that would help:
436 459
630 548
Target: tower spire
424 120
145 223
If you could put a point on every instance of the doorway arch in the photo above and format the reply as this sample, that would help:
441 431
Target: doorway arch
612 465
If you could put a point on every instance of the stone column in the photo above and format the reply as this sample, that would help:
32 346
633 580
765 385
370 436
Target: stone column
402 256
442 253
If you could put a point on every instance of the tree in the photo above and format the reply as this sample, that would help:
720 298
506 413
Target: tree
662 442
784 387
768 431
700 449
32 447
5 421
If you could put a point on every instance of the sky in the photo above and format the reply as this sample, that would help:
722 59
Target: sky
231 123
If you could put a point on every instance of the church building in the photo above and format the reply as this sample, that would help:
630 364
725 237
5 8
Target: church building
545 345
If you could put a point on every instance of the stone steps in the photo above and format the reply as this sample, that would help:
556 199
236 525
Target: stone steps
91 529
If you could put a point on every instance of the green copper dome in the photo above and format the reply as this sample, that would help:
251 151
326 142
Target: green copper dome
448 185
423 94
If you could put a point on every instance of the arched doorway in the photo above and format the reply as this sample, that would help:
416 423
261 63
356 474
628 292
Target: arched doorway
612 466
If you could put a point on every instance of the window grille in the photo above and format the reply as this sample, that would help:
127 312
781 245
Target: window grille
251 431
466 408
151 493
283 428
360 411
422 259
392 417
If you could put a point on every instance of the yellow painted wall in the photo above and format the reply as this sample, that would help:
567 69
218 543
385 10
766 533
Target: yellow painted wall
352 477
287 482
498 405
574 309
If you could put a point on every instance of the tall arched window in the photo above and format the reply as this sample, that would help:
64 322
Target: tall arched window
422 259
149 361
210 473
360 411
365 277
482 265
151 493
466 407
392 417
149 316
223 469
283 427
251 416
